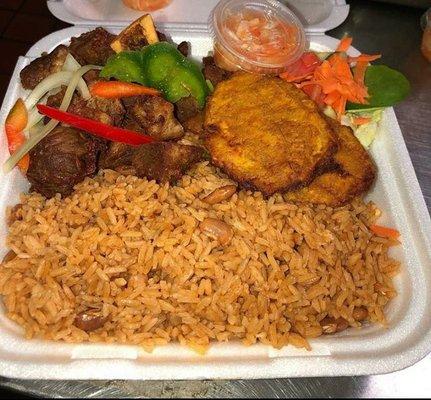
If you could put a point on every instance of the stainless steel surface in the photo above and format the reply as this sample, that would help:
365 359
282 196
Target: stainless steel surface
394 31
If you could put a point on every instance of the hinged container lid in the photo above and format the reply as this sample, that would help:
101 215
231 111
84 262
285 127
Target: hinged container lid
318 16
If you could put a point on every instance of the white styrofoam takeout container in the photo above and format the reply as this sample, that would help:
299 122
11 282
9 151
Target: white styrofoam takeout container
371 350
317 15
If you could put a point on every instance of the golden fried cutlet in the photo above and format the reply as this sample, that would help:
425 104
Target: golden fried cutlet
353 174
265 134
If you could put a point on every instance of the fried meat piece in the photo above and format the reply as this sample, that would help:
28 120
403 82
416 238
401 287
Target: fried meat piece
165 162
61 160
92 47
153 116
354 174
112 107
43 66
92 76
265 135
195 124
117 155
55 99
161 161
183 48
214 73
132 125
108 111
162 37
185 108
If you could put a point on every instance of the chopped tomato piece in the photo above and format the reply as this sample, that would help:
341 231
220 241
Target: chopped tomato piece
315 93
15 124
302 68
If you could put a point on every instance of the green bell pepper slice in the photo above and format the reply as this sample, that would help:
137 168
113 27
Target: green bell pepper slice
175 75
162 66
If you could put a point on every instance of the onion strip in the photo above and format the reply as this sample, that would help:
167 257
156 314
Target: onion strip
55 80
70 64
35 138
34 116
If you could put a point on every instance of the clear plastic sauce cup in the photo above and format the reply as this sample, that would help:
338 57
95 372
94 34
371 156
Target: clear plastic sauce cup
260 36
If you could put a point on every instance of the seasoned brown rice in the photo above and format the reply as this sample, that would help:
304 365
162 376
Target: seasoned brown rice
133 252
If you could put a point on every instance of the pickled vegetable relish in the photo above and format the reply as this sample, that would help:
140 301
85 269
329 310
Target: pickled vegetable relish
261 36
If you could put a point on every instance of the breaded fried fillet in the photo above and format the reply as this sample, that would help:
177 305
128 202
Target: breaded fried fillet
265 134
353 175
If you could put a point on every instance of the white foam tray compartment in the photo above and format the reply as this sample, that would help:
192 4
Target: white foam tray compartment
371 350
317 16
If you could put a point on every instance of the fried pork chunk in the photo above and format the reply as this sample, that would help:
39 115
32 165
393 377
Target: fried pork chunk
161 161
108 111
92 47
214 73
186 108
265 135
61 160
43 66
153 116
352 175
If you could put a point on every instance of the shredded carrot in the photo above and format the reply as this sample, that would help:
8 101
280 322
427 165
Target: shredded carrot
384 231
361 120
364 57
332 82
344 44
359 72
338 84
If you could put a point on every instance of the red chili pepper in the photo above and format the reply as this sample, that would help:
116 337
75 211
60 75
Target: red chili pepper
95 127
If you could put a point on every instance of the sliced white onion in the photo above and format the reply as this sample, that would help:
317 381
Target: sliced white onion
74 84
70 64
34 116
36 137
56 80
35 129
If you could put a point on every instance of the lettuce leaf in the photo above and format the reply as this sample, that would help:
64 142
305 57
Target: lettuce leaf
386 87
365 133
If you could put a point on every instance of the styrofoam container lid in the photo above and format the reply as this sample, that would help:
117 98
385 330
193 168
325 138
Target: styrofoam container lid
318 16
